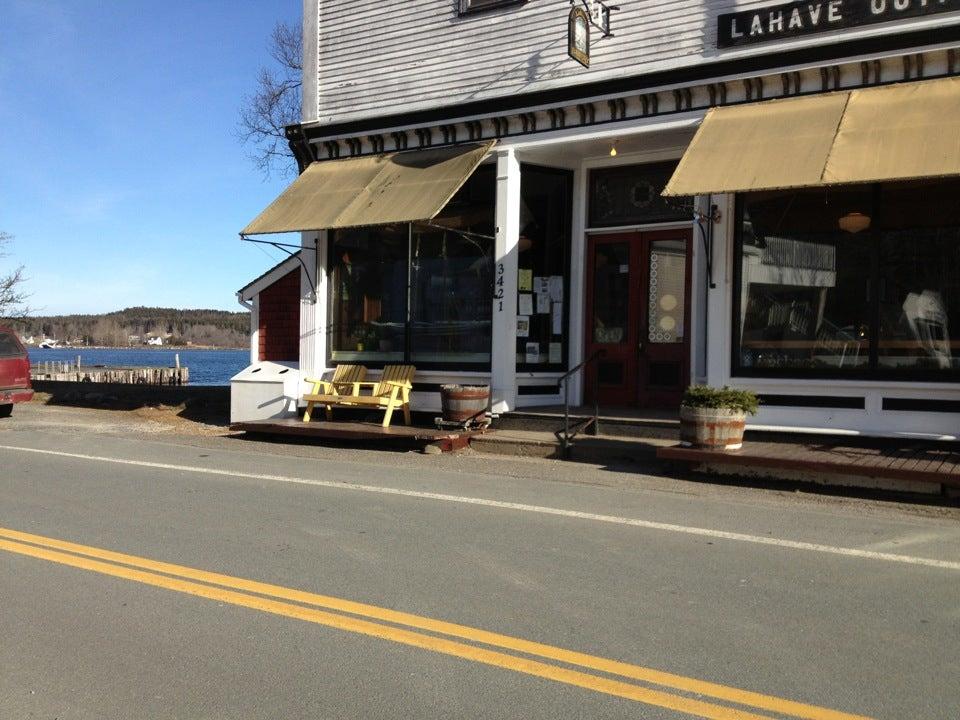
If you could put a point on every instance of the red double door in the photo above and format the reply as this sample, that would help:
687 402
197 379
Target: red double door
638 313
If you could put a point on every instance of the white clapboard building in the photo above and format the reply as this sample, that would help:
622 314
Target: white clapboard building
756 194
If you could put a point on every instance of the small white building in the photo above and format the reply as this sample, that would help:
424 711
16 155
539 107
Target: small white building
476 201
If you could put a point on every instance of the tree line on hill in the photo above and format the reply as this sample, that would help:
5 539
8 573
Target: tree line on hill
134 326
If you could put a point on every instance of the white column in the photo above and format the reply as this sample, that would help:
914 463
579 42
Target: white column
255 330
578 274
313 315
503 370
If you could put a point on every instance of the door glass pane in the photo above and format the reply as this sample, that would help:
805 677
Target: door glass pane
611 292
667 282
919 279
804 287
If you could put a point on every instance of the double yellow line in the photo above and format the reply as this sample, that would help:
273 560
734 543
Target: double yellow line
400 627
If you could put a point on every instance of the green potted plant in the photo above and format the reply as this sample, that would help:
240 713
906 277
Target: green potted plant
715 418
367 339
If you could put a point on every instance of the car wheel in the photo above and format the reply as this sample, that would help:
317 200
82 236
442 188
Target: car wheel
6 410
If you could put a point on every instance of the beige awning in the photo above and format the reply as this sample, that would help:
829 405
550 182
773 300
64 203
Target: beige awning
375 190
897 132
781 143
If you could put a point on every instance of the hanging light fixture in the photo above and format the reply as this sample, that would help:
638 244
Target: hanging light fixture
854 222
613 149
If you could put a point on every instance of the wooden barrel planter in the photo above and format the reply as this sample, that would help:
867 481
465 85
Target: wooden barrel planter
460 403
711 428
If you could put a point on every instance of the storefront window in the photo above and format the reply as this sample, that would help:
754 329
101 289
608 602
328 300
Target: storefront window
858 281
451 280
369 291
544 251
418 293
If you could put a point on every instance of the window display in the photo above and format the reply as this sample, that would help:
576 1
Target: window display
858 281
418 293
544 251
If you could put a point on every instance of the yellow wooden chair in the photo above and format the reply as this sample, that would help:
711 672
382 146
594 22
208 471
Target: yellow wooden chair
390 392
343 382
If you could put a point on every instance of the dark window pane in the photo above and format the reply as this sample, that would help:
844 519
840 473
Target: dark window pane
919 290
804 300
630 195
611 292
450 307
9 346
467 6
610 373
368 287
664 374
451 277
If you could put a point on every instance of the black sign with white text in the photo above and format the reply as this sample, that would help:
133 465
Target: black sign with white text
815 16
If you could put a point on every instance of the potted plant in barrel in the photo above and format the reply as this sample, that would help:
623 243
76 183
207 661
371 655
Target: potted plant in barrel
714 418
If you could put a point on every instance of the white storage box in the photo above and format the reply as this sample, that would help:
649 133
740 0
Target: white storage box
264 391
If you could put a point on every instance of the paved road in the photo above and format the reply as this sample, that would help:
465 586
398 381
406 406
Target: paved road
150 575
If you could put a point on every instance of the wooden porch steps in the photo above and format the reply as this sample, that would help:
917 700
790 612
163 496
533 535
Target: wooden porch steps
366 432
923 462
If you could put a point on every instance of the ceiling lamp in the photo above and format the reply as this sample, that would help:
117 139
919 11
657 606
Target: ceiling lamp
613 150
854 222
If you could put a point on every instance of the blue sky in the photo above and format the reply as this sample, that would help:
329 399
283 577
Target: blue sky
122 178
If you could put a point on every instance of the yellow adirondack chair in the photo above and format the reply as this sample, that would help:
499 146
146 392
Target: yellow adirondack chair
390 392
343 382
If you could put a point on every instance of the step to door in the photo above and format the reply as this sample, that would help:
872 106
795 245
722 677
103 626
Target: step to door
639 428
585 448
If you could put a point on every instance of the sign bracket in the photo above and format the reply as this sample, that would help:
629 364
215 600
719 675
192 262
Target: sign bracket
598 14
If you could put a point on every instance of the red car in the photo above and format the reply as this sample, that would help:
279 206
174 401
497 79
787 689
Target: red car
14 372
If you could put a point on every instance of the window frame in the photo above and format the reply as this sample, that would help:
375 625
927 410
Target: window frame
467 7
872 371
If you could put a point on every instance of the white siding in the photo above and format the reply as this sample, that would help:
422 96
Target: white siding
382 57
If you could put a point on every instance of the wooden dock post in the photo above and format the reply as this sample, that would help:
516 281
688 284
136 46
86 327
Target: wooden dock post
64 371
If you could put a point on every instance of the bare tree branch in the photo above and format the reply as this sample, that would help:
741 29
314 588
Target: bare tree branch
275 103
12 295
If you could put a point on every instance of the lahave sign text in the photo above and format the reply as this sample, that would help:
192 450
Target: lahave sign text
803 18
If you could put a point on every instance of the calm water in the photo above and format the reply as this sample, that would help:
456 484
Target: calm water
207 367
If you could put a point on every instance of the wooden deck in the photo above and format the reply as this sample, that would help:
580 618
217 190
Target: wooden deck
891 459
447 440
